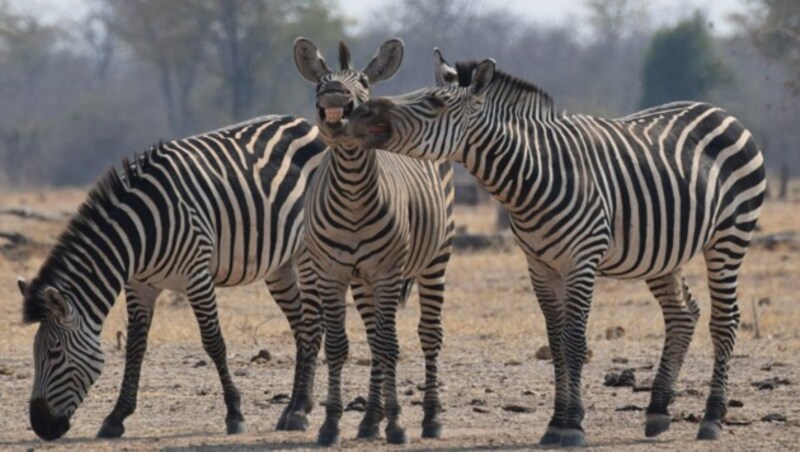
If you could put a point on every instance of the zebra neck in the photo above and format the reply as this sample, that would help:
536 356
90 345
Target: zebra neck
513 160
355 173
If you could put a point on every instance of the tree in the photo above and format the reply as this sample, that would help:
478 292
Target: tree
172 37
680 64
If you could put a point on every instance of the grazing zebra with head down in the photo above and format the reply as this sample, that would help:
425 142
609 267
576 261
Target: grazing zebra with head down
220 209
631 198
383 221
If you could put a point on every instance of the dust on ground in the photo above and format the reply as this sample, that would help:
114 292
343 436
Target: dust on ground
493 330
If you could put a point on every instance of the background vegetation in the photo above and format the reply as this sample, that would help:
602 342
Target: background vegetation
79 95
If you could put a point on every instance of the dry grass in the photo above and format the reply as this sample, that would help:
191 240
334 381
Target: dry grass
491 318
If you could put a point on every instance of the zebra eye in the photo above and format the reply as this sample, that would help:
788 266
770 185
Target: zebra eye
364 82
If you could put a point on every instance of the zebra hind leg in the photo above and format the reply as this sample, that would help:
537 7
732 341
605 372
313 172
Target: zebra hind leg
204 304
283 286
140 303
332 294
723 261
431 296
680 312
369 427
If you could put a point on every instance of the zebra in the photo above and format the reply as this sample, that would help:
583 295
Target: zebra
383 221
219 209
628 198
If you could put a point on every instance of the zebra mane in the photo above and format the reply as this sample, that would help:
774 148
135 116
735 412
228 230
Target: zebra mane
108 190
512 85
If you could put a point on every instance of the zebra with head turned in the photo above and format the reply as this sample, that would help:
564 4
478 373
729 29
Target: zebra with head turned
629 198
220 209
383 221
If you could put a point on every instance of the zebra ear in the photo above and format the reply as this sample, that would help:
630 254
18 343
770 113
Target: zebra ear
482 77
22 284
386 62
443 73
309 61
56 302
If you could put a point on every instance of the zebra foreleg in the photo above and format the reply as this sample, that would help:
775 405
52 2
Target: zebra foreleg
723 263
388 292
579 290
365 304
332 294
140 303
547 294
431 334
283 286
680 312
204 304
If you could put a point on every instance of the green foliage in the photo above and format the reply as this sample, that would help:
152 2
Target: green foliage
680 64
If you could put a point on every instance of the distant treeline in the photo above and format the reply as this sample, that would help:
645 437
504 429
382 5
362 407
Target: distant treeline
77 96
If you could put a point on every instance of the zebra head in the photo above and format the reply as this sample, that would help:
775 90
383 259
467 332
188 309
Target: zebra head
66 354
430 123
340 92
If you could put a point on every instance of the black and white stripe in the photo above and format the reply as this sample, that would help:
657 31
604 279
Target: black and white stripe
629 198
383 221
220 209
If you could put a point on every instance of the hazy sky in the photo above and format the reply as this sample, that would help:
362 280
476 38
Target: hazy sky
541 11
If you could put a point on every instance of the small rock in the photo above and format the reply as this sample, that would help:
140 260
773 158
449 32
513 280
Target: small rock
527 392
416 402
23 375
774 417
261 357
764 301
363 362
5 370
619 360
544 353
200 363
202 392
615 332
625 379
488 390
477 402
734 403
478 409
357 404
691 392
770 383
514 408
769 366
240 373
409 391
513 362
643 386
690 417
630 408
737 420
280 399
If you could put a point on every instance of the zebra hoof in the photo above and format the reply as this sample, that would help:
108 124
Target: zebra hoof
656 424
235 426
328 436
396 435
710 430
572 437
111 430
432 430
368 431
551 437
295 422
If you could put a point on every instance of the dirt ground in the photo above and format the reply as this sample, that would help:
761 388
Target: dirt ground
493 328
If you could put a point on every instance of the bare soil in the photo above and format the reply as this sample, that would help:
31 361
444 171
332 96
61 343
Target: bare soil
493 329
